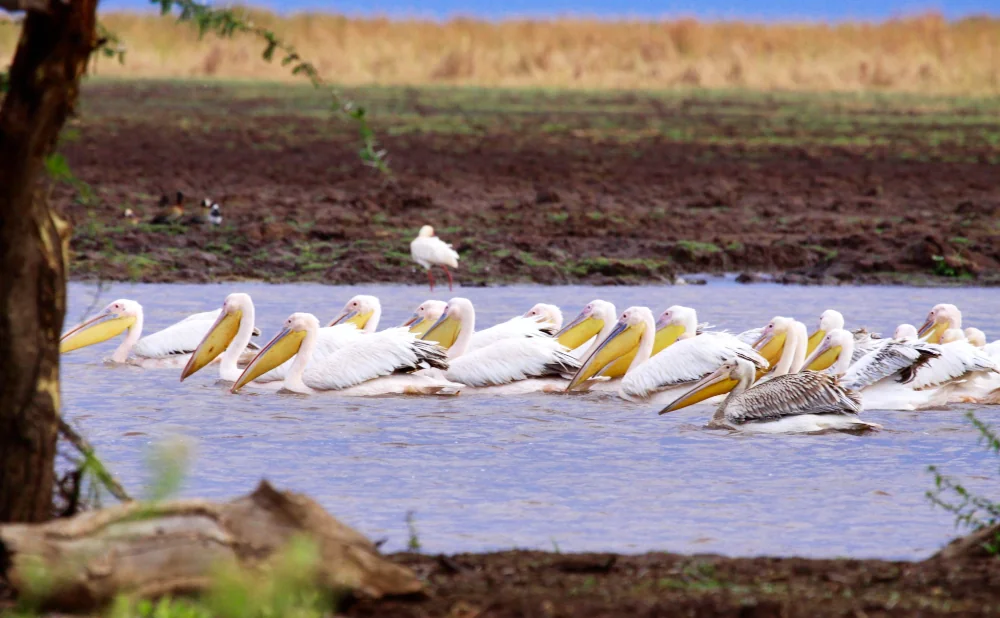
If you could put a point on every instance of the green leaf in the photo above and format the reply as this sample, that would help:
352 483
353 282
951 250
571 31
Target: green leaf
57 167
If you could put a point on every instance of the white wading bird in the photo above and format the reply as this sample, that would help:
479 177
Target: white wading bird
170 347
792 403
428 250
659 377
509 364
363 367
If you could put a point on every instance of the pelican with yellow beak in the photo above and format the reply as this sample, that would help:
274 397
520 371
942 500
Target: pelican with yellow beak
546 314
508 365
783 344
658 377
363 311
941 318
674 323
229 336
803 402
593 324
370 365
518 327
424 316
170 347
829 320
832 354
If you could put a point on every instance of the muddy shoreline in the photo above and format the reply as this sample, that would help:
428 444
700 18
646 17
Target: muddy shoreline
557 191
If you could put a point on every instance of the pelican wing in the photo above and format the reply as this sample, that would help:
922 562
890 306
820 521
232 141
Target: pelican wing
750 336
433 250
686 361
511 360
864 343
514 328
895 358
806 392
180 338
956 360
394 350
992 350
329 340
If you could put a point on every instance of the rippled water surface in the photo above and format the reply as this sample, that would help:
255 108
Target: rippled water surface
580 472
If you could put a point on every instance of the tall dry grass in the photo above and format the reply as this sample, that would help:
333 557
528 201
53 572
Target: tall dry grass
920 54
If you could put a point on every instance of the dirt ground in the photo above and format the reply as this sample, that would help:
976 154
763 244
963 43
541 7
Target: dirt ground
544 585
613 188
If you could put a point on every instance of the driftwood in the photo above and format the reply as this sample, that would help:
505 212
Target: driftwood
151 550
974 545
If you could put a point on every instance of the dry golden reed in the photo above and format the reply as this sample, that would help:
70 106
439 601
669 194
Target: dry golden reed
919 54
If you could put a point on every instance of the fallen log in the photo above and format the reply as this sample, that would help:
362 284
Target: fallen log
169 548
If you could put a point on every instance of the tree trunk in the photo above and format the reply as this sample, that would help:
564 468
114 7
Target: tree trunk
169 548
51 56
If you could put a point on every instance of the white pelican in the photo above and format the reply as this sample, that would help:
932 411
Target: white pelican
170 347
797 402
428 250
783 344
517 327
229 335
547 314
941 318
502 362
363 311
425 316
685 361
364 367
593 324
677 321
829 320
976 337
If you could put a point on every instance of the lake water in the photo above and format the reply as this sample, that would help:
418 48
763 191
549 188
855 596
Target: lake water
583 473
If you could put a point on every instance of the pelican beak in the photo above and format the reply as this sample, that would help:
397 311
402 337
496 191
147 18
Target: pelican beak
215 342
285 345
931 331
624 338
814 340
358 318
666 335
100 328
445 331
822 357
579 331
770 347
715 383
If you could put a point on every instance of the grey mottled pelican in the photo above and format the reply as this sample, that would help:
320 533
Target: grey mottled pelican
792 403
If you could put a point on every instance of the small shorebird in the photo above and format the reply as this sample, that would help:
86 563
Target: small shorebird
169 213
428 250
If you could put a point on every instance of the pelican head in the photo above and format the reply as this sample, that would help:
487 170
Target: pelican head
975 336
222 333
952 334
941 318
545 313
285 345
363 311
622 339
677 322
425 232
835 344
829 320
772 339
458 314
905 332
587 324
424 316
730 373
112 321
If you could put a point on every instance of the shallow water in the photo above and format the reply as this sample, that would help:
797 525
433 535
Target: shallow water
579 472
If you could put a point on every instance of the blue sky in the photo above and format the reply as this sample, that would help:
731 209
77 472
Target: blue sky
758 10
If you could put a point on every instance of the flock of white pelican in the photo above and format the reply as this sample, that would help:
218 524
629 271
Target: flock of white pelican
776 378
